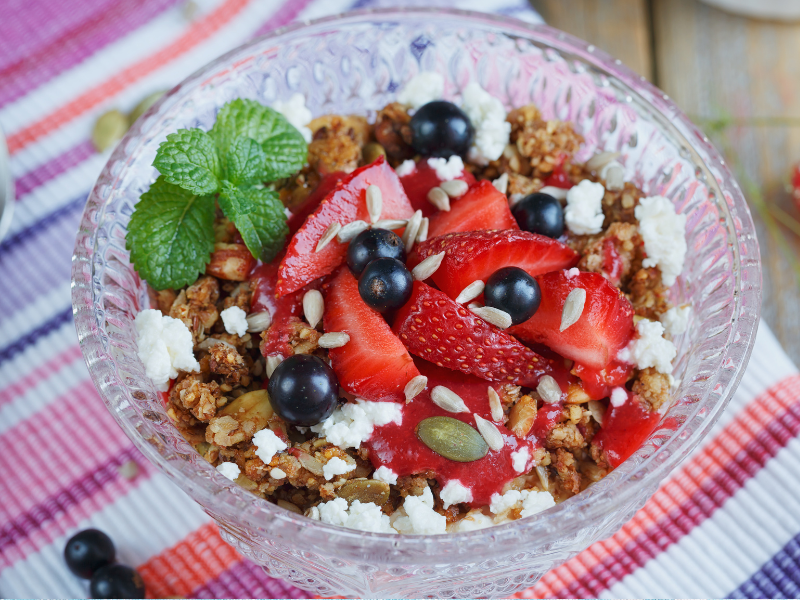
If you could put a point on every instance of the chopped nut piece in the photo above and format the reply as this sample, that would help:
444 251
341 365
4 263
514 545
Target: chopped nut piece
230 261
522 416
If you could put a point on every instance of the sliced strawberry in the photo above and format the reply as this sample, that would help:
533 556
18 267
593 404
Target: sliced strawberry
796 185
306 207
434 327
624 430
482 207
374 364
419 182
604 327
285 311
346 203
598 383
474 255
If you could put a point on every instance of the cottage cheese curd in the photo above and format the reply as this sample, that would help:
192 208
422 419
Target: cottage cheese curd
649 348
407 167
229 470
366 516
531 502
664 235
353 423
584 212
296 113
386 475
423 88
336 466
447 169
267 445
455 493
676 319
519 459
165 347
235 320
488 117
417 516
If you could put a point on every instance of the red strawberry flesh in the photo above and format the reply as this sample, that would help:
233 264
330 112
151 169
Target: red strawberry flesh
309 205
475 255
434 327
624 430
419 182
604 327
302 264
285 311
482 207
374 364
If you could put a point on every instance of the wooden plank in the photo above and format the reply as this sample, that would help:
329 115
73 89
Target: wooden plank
620 27
713 65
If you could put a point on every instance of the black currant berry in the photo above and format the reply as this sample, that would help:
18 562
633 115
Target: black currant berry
303 390
540 213
87 551
512 290
372 244
117 581
440 128
385 284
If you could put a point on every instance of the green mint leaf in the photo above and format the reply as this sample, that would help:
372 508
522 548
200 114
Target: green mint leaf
189 159
259 216
284 146
243 163
171 235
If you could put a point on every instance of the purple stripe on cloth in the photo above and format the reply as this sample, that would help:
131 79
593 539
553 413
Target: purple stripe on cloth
779 577
66 498
75 34
247 580
53 168
45 221
62 317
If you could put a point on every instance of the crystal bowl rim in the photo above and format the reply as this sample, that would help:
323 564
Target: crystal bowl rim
87 318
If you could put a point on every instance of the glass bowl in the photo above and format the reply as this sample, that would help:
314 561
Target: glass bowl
355 63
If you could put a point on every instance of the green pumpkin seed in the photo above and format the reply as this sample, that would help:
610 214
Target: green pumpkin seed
146 103
452 439
365 490
371 152
109 129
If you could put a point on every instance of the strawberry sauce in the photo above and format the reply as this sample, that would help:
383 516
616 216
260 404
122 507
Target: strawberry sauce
398 447
625 428
558 178
598 383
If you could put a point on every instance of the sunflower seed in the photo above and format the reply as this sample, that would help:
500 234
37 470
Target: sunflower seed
329 234
351 230
549 390
501 183
410 234
544 480
335 339
573 308
495 405
439 198
374 202
273 360
277 473
414 387
390 224
422 234
448 400
490 433
598 411
454 188
614 175
258 322
310 463
496 317
513 199
472 305
452 439
427 267
555 192
600 160
313 307
472 291
208 342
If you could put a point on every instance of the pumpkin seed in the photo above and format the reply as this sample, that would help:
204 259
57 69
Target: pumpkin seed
109 129
365 490
145 104
371 152
452 439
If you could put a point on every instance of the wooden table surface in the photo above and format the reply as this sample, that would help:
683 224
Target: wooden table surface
738 78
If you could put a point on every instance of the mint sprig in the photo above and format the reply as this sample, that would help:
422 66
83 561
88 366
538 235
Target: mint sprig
171 234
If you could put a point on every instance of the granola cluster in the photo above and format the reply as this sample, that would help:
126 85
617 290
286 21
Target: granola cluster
219 409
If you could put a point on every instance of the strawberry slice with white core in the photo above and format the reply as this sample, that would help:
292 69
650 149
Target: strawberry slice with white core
374 364
302 263
604 327
432 326
482 207
475 255
421 180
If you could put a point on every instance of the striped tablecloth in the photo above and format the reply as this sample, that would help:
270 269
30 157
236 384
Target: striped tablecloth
726 524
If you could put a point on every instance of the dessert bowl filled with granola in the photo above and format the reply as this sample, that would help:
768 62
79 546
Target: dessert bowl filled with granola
413 302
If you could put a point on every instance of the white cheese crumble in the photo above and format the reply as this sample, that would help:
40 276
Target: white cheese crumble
474 519
165 347
277 473
676 319
296 113
649 348
366 516
267 445
407 167
229 470
353 423
454 492
417 516
336 466
235 320
385 474
447 169
664 235
519 459
573 272
619 396
488 117
424 87
584 212
531 502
